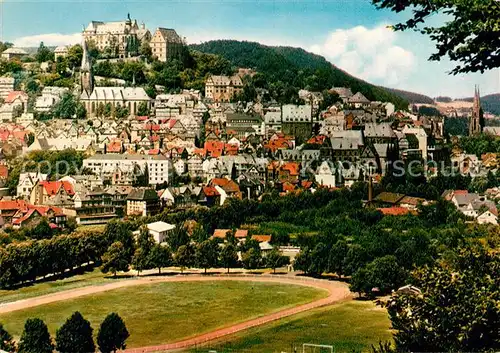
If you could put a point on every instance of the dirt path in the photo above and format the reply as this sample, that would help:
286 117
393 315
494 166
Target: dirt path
337 291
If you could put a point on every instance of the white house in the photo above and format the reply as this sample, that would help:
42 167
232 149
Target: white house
325 175
26 183
159 230
487 218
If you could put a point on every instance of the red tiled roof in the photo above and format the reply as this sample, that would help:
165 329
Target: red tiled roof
221 233
291 167
262 238
288 186
13 205
114 146
14 95
394 211
53 187
241 233
4 171
210 191
154 151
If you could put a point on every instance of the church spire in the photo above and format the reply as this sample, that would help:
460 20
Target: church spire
475 123
86 77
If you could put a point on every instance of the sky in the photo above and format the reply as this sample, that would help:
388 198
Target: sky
351 34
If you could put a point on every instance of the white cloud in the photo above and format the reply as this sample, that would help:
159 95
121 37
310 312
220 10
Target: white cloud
371 54
49 39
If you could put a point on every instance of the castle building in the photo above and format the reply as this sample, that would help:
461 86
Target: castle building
124 38
475 122
166 44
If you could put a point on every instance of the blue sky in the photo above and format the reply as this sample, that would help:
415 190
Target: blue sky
351 34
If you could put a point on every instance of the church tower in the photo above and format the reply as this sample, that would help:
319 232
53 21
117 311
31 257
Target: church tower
475 122
86 77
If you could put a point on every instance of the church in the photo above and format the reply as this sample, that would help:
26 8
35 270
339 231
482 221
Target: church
476 122
91 97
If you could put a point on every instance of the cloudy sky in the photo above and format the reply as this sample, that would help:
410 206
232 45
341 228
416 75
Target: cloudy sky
351 34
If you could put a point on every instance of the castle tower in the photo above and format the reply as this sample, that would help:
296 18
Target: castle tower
475 123
86 76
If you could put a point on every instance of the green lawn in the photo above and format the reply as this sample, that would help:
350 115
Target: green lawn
48 287
349 327
165 312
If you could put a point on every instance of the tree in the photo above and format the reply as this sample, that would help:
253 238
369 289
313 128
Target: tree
228 256
160 257
81 112
470 35
6 342
75 336
66 107
115 259
145 243
74 57
383 273
177 237
207 254
275 259
35 338
145 50
44 54
337 256
121 112
117 230
458 310
112 334
185 256
143 109
251 259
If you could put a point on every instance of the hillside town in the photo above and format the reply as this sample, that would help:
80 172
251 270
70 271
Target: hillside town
195 147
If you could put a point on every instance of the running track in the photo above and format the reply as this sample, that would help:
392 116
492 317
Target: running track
337 291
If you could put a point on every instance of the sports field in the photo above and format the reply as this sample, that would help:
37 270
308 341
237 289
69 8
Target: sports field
165 312
351 326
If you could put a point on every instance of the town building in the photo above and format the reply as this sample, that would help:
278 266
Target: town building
60 52
158 168
14 53
160 230
166 44
221 89
6 86
143 202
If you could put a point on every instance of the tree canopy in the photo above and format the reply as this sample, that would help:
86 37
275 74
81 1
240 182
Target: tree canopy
471 36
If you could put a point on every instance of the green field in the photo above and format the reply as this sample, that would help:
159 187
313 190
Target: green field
48 287
349 327
166 312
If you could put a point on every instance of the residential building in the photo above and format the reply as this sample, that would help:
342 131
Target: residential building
325 174
6 86
160 230
53 193
166 44
26 183
14 105
143 202
60 52
221 89
158 167
14 53
50 97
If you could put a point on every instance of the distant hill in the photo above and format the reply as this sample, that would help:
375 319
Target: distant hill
296 67
414 98
490 103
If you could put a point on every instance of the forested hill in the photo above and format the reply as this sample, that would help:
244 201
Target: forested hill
295 67
414 98
490 103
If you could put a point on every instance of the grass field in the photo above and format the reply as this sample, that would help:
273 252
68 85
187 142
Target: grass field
48 287
349 327
165 312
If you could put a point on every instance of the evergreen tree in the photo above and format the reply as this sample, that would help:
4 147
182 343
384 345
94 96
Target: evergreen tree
75 336
35 338
6 342
112 334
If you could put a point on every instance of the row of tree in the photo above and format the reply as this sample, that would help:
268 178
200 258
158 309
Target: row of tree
181 250
26 261
74 336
